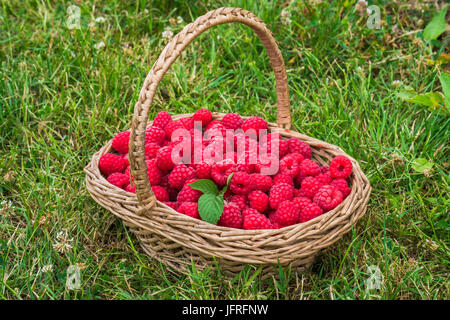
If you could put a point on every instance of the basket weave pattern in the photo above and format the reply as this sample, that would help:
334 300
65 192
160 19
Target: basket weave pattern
178 240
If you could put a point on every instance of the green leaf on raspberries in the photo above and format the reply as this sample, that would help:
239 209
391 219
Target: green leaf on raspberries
205 185
222 192
210 207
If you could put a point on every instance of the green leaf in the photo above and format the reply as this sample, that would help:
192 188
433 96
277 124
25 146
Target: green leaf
445 83
205 185
210 207
436 26
222 192
421 164
430 99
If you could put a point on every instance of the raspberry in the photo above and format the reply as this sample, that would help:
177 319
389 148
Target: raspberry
121 141
324 178
325 169
187 194
188 123
309 212
240 200
179 175
203 170
155 135
111 163
258 200
221 170
342 185
130 188
125 158
256 221
283 178
162 119
328 197
274 138
171 127
119 179
254 123
340 167
267 164
308 168
128 172
232 121
289 166
173 193
160 193
247 168
310 186
154 175
261 182
231 217
279 193
287 213
248 211
240 183
190 209
296 156
203 115
164 159
301 202
213 124
151 149
172 204
299 146
273 217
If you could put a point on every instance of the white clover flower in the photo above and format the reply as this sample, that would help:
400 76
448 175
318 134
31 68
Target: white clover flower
180 20
363 3
285 16
397 83
100 19
167 34
99 45
63 242
47 268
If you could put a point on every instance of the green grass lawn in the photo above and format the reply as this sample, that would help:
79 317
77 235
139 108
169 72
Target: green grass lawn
63 95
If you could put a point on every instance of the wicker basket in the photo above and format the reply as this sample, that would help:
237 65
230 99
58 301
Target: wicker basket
178 240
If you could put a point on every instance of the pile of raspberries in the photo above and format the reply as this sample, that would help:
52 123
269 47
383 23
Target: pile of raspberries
299 191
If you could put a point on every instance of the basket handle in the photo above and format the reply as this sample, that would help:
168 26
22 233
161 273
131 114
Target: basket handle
172 50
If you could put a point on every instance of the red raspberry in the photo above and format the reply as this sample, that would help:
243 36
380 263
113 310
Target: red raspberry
164 159
325 169
232 121
274 138
187 194
160 193
203 170
256 222
247 168
309 212
267 164
188 123
328 197
261 182
172 204
324 178
125 157
342 185
287 213
240 200
180 174
130 188
254 123
151 149
173 193
279 193
119 179
301 202
154 175
273 216
340 167
299 146
309 168
248 211
240 183
214 123
289 166
221 170
155 135
121 141
231 217
111 163
171 127
283 178
310 186
162 119
258 200
190 209
203 115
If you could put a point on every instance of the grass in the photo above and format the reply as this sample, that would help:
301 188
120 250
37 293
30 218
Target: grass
61 99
